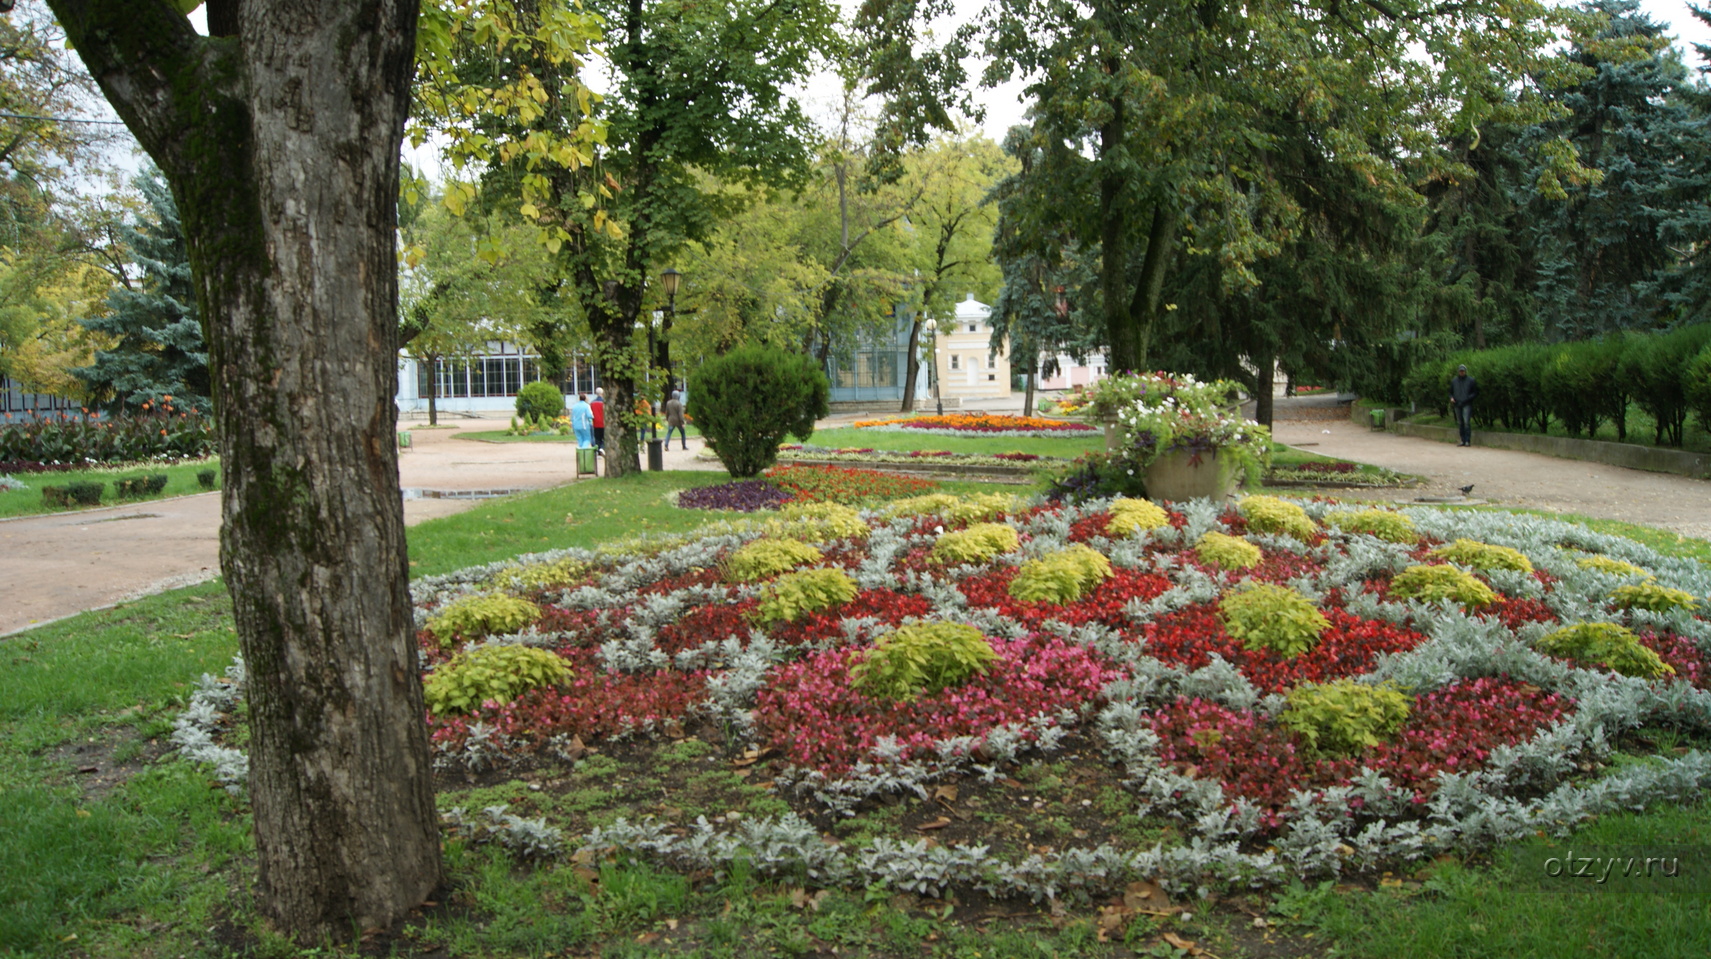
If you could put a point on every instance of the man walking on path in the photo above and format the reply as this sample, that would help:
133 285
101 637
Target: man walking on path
598 405
1463 391
674 419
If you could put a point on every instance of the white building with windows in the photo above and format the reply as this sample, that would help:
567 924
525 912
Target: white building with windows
484 384
967 368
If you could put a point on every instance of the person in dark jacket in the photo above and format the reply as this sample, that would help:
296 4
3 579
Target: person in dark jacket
1464 389
674 420
598 405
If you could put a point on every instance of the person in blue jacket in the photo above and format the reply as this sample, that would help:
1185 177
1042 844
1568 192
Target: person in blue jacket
582 421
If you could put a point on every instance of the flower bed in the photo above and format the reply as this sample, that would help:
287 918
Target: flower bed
833 484
156 432
968 424
799 451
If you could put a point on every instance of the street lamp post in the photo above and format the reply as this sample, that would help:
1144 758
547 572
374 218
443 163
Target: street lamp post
932 328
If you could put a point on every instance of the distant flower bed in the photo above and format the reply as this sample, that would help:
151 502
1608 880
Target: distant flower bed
744 496
157 432
803 484
958 424
867 454
36 466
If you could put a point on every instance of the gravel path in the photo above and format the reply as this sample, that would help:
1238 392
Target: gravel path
58 565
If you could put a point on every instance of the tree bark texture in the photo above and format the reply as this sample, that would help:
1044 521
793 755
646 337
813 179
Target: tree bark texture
281 145
1120 330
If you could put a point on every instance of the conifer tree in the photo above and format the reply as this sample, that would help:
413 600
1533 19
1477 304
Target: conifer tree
159 350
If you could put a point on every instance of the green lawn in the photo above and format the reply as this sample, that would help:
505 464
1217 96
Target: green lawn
142 858
1068 447
181 481
1642 430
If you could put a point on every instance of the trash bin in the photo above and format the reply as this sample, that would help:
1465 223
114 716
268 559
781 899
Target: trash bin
403 439
656 455
1377 418
586 464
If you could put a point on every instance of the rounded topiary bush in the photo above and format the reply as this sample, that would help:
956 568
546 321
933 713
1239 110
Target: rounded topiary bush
818 521
794 595
1604 645
971 508
1442 581
922 657
1061 577
498 673
1477 555
1382 523
1613 567
1344 717
1268 514
976 544
768 557
1227 552
746 401
1268 616
482 615
539 400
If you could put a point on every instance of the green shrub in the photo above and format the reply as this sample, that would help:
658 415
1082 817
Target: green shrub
1696 387
747 400
976 544
1385 524
817 521
922 657
790 596
536 400
1345 717
481 615
1442 582
1614 567
74 494
768 557
1605 645
1652 596
1227 552
1130 516
137 486
1656 370
499 673
1268 616
1268 514
207 478
1479 555
1583 386
1061 577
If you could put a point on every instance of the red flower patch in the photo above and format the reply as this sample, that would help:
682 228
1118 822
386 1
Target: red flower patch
1350 647
1104 604
1681 654
889 606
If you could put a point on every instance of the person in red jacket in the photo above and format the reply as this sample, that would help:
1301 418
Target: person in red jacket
599 408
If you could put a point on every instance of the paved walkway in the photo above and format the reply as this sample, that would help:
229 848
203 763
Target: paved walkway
63 563
54 566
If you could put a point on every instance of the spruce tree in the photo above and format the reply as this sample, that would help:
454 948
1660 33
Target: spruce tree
158 349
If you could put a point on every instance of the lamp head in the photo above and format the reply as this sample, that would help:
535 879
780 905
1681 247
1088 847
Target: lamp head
669 279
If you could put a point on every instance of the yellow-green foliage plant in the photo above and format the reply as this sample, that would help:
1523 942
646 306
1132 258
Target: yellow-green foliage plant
1061 577
1442 581
766 557
1613 567
817 521
976 544
1472 553
524 577
1227 552
793 595
1344 717
481 615
1652 596
499 673
1605 645
922 657
956 509
1268 514
1130 516
1268 616
1385 524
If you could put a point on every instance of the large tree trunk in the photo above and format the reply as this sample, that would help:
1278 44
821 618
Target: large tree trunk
913 370
281 145
1120 329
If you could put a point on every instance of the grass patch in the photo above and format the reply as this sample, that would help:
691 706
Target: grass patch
1065 447
181 481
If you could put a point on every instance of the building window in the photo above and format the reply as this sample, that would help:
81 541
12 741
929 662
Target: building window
991 377
955 362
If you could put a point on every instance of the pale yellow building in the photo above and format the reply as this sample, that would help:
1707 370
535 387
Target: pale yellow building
966 367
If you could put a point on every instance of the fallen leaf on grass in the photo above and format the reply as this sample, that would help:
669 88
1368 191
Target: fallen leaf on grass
1148 899
945 795
803 899
938 823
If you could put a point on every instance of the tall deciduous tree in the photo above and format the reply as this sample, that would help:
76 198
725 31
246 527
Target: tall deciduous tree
280 135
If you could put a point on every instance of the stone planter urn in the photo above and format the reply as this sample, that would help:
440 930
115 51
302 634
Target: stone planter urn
1176 476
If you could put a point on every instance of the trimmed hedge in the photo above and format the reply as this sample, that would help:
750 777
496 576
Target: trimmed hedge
1582 385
